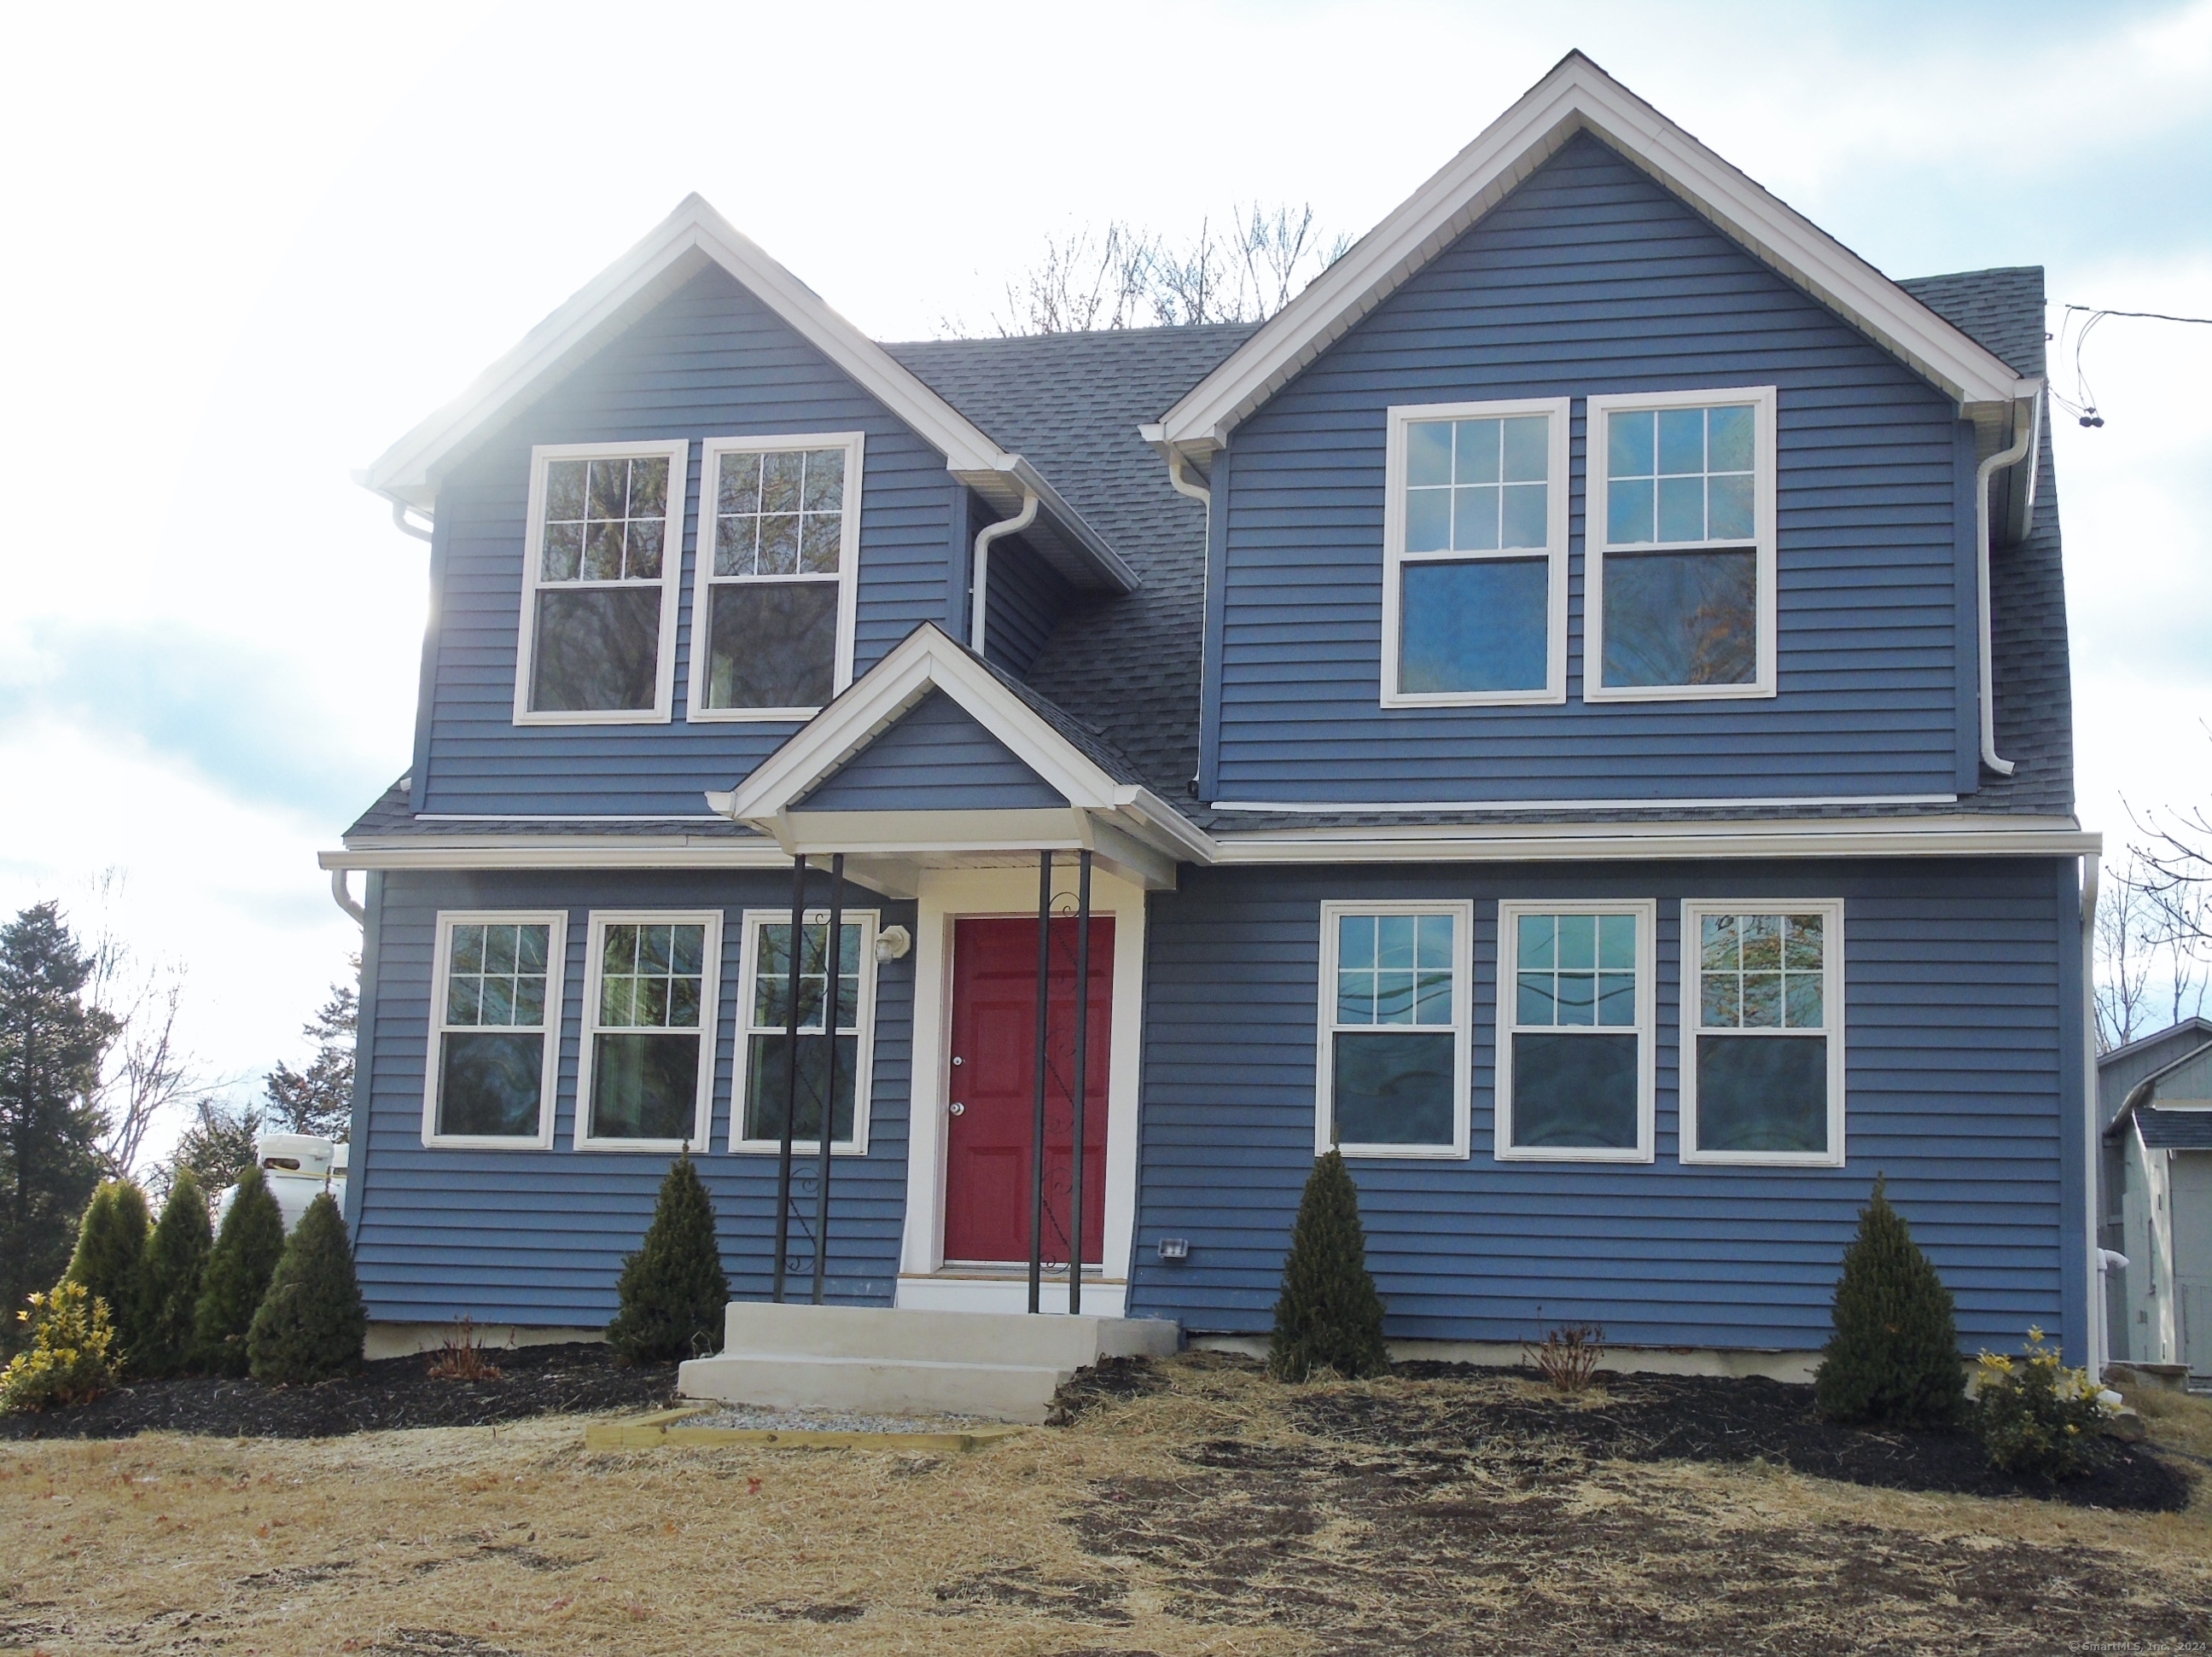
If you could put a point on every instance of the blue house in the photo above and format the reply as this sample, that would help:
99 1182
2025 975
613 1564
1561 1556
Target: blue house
1573 710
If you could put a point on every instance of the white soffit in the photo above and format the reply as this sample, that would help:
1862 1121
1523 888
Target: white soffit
1578 96
682 245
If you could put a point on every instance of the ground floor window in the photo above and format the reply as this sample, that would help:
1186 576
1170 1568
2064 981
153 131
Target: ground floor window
650 1009
1762 1060
1392 1078
1576 1071
496 1002
764 1083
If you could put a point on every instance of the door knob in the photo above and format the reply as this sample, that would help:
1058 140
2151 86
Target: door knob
959 1109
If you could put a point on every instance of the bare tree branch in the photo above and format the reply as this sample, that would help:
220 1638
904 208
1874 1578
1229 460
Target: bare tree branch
146 1070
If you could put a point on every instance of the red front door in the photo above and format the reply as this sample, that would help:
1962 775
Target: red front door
988 1177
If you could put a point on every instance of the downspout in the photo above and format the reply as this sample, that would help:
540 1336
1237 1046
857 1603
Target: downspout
345 898
2099 1335
1204 496
979 567
1987 470
399 522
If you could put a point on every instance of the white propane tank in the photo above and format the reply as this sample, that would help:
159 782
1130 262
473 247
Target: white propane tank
298 1168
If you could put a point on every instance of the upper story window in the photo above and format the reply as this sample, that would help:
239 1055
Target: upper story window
497 1007
1393 1076
1681 546
1576 1074
1762 1068
1474 604
778 561
598 584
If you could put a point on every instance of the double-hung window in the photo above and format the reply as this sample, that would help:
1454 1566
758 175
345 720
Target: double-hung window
1575 1069
1475 580
779 562
1681 564
645 1078
493 1020
605 542
764 1037
1393 1078
1762 1062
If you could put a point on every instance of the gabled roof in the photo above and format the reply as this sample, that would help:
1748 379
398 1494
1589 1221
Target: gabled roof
688 239
2187 1128
1577 96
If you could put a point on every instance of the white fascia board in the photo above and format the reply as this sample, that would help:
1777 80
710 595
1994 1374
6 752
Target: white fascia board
1574 97
1449 844
681 243
563 852
926 659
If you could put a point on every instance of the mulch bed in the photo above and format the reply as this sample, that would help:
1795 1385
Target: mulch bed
1704 1418
534 1381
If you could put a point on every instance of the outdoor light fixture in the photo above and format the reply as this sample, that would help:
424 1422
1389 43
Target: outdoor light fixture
1175 1249
892 943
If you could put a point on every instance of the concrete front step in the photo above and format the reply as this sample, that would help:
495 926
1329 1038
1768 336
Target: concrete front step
891 1360
870 1386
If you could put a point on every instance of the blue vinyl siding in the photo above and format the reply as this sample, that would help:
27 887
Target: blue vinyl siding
539 1236
937 757
708 361
1591 278
1961 1088
1028 598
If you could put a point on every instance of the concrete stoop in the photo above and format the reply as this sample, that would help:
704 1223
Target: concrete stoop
889 1361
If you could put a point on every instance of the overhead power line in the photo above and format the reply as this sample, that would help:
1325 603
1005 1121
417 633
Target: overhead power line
2082 405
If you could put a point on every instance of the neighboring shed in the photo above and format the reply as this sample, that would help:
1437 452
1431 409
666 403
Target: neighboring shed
2158 1192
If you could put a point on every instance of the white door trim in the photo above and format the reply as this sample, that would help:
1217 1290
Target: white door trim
948 894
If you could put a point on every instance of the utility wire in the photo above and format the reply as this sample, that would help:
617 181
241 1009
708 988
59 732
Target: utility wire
2082 405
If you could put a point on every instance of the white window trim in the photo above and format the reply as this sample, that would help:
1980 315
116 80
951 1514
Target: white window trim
1396 557
679 453
1646 911
710 1025
1326 1027
1594 497
1691 1025
742 1032
703 581
556 964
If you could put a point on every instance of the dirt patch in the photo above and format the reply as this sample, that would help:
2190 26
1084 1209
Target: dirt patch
1514 1421
1108 1380
536 1381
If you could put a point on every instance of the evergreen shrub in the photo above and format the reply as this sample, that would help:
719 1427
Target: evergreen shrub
1328 1320
110 1260
1893 1358
312 1321
245 1258
176 1272
2036 1417
72 1358
673 1290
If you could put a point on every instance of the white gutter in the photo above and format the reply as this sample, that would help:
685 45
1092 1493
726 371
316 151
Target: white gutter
979 568
2097 1336
1988 469
345 898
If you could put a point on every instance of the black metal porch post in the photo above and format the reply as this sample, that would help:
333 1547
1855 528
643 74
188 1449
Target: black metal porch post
1037 1135
1082 1067
832 947
790 1078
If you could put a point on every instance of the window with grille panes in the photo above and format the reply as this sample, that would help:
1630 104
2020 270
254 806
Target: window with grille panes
649 1023
1762 1046
496 1008
764 1036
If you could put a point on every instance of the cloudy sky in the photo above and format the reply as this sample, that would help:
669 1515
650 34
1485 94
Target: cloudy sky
248 248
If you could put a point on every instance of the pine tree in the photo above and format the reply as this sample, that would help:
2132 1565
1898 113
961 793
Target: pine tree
218 1145
52 1043
245 1258
176 1271
1329 1319
110 1259
673 1290
320 1099
1893 1359
312 1321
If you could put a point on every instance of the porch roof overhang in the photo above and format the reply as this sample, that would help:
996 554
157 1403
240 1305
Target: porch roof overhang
1109 813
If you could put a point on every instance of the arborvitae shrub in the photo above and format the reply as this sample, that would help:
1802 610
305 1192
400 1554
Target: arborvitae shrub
1329 1319
176 1271
1893 1359
673 1290
246 1253
110 1260
312 1321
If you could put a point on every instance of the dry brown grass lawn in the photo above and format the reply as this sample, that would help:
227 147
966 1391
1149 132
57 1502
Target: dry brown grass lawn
1199 1519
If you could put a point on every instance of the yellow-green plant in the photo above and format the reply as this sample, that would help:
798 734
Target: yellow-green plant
2036 1416
70 1360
